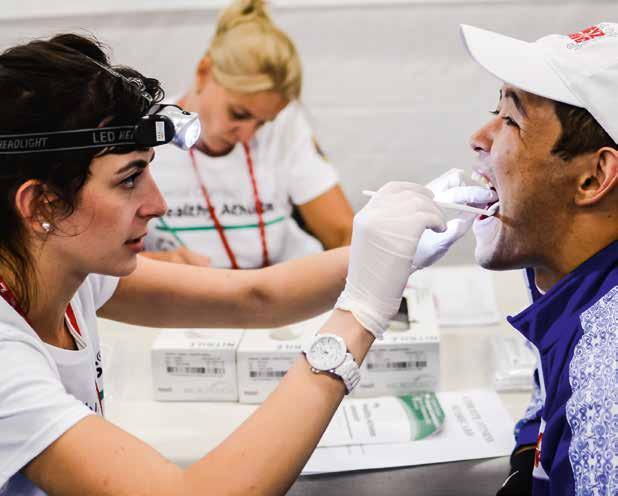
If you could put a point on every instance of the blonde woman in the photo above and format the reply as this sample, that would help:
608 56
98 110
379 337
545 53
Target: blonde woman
231 197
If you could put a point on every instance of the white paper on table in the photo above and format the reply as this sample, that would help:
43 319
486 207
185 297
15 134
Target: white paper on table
515 360
384 419
476 426
464 295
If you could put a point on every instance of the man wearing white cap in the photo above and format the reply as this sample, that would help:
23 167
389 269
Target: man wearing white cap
550 153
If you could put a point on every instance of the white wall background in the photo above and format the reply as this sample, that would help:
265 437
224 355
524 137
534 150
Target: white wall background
389 86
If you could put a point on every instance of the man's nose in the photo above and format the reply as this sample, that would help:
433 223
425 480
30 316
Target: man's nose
482 139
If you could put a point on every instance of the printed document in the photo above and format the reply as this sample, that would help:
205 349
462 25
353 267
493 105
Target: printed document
476 425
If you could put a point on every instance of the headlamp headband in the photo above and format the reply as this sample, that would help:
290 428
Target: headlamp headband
160 125
153 129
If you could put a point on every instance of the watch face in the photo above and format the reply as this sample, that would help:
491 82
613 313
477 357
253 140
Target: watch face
326 353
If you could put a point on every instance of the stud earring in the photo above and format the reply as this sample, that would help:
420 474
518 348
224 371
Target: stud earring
47 227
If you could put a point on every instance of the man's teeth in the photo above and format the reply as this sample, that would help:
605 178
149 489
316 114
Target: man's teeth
482 180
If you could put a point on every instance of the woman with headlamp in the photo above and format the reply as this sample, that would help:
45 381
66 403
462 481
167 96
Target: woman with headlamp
76 141
231 197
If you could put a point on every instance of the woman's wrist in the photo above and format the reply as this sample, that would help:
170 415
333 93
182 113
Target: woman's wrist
358 339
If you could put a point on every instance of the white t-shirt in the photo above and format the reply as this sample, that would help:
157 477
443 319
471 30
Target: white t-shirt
288 170
45 390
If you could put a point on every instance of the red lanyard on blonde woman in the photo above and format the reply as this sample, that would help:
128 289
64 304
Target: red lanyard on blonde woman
259 208
9 297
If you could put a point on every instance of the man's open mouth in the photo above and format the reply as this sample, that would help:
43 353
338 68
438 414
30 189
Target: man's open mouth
486 181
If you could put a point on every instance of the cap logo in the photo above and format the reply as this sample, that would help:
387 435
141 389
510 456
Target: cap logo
587 34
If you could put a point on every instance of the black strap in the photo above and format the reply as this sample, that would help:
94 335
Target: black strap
67 140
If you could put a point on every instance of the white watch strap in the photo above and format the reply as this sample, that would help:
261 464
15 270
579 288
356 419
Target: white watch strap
349 372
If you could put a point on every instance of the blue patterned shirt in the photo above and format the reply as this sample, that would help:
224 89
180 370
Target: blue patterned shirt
575 328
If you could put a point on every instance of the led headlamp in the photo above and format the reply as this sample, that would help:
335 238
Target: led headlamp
160 125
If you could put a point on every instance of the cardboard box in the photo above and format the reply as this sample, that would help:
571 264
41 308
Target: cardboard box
265 355
195 365
405 360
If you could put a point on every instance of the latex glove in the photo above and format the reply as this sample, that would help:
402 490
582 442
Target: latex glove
385 236
450 187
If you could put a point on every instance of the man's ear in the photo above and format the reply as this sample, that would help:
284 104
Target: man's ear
599 179
33 205
203 73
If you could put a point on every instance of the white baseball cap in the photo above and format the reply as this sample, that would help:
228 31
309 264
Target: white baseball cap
580 69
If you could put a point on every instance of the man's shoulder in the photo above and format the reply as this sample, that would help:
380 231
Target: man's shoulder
594 291
602 314
590 409
592 364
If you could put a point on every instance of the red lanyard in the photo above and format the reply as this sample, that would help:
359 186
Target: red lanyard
9 297
259 208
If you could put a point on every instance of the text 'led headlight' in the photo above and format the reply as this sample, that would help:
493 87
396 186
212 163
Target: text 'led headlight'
160 125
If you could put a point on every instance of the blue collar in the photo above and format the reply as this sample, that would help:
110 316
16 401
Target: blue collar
550 315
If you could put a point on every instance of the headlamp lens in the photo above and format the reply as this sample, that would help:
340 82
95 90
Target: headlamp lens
186 125
192 133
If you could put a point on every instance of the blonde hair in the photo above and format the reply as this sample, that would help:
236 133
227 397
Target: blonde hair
250 54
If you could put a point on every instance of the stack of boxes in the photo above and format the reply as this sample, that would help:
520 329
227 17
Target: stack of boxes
263 358
407 360
246 366
195 365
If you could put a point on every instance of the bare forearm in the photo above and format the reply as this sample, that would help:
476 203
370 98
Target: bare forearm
271 447
335 237
302 288
343 238
329 217
263 457
182 255
171 295
164 256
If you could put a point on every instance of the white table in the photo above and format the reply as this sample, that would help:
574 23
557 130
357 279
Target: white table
184 432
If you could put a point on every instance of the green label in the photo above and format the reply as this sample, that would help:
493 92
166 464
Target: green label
424 413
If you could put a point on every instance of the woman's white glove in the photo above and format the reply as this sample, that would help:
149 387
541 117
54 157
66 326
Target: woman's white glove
450 187
385 236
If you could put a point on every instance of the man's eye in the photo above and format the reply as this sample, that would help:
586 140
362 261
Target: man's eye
509 121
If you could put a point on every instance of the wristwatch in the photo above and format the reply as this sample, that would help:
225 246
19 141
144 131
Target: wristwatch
328 353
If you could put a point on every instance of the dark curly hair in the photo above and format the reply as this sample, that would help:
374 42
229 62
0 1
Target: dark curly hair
55 85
